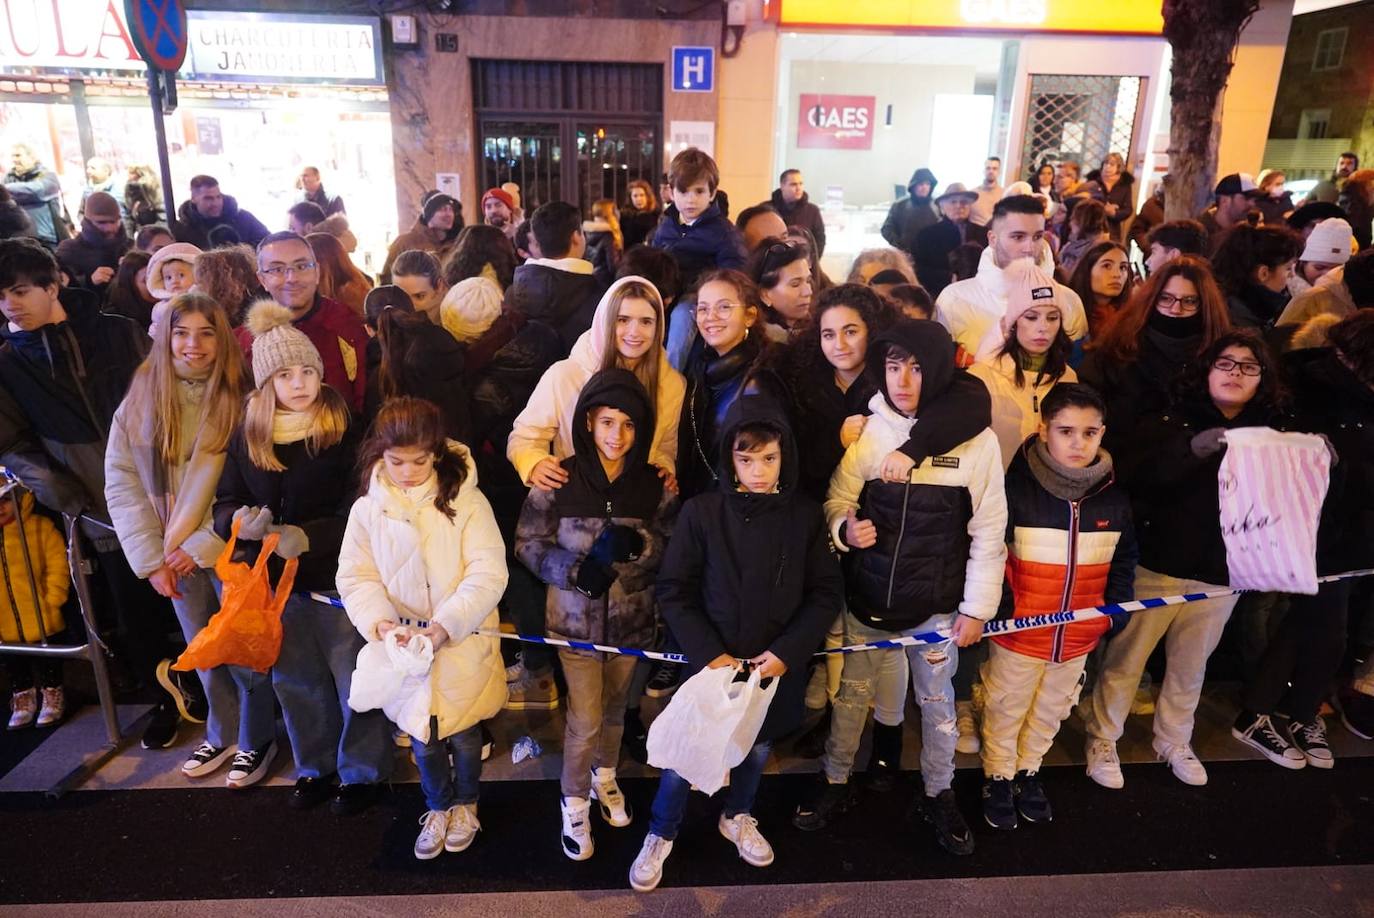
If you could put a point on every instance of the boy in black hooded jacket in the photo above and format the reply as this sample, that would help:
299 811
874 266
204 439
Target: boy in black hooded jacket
749 576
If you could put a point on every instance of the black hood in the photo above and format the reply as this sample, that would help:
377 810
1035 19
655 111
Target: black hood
753 407
922 175
933 349
637 490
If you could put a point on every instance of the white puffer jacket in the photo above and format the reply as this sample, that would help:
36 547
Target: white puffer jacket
545 427
402 559
1015 409
969 307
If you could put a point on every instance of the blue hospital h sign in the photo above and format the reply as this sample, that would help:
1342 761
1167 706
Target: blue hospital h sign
694 69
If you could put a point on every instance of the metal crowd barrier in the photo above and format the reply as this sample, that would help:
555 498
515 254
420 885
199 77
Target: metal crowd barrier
93 650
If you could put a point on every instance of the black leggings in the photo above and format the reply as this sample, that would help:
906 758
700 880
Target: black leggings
1296 671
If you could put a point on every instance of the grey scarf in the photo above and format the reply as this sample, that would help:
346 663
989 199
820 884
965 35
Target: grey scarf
1060 480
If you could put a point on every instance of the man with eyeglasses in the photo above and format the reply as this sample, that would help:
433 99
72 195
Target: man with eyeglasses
288 271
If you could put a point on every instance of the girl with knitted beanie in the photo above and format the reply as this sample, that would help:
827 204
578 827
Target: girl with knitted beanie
166 451
290 471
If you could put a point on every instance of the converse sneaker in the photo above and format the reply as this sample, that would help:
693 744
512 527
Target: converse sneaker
743 830
433 826
942 812
251 765
1031 800
821 803
1182 762
206 759
664 680
968 742
462 827
999 807
23 708
536 692
1309 739
615 809
647 870
516 671
1258 732
1357 712
577 827
54 706
1103 765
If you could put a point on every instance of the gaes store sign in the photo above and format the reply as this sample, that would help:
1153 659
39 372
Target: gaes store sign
835 122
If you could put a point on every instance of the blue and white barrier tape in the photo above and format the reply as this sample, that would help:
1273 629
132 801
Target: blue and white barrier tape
994 627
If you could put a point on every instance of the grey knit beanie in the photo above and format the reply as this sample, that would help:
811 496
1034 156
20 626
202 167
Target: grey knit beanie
277 343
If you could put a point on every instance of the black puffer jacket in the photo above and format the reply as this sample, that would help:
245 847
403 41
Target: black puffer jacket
231 227
804 214
1331 400
563 300
91 249
637 226
746 573
314 493
1174 493
59 388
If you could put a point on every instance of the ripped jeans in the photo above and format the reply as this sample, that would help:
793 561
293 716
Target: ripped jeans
932 681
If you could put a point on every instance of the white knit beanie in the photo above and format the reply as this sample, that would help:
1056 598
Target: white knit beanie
277 343
470 307
1329 243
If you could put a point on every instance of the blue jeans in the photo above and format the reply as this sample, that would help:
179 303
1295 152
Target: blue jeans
671 800
932 681
312 678
446 783
240 700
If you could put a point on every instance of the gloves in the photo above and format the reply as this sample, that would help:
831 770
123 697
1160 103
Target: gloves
1209 442
293 543
253 522
594 578
616 543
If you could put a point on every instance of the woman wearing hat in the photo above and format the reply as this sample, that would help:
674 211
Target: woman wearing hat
936 243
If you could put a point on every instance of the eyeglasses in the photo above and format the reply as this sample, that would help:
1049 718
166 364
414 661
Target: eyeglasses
300 267
1186 305
1246 367
722 310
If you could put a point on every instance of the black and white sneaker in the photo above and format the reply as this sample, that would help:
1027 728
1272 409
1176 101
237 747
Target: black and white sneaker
1310 740
822 802
161 731
1031 800
205 760
664 681
185 691
1259 733
577 828
251 766
951 831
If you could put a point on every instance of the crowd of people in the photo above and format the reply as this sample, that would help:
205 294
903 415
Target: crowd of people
660 429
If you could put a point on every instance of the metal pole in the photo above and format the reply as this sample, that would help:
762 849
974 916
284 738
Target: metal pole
160 130
94 650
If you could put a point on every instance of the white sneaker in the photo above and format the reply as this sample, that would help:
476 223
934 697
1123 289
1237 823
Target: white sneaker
23 708
577 828
1182 762
54 706
433 826
968 741
1103 765
743 830
462 827
205 760
606 791
647 870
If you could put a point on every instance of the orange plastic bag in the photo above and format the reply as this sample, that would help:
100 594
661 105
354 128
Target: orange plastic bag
246 631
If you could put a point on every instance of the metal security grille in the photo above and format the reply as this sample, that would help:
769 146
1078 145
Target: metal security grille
1080 118
568 130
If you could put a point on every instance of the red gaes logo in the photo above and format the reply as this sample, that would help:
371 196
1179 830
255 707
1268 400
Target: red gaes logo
835 122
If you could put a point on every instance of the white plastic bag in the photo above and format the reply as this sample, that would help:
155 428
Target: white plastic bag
710 726
395 678
1270 487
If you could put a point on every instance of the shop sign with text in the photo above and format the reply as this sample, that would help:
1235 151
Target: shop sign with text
828 122
283 48
66 34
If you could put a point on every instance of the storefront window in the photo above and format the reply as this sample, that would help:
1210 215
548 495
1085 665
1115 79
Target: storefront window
860 113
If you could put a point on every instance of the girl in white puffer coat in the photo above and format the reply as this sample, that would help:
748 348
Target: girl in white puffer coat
422 555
